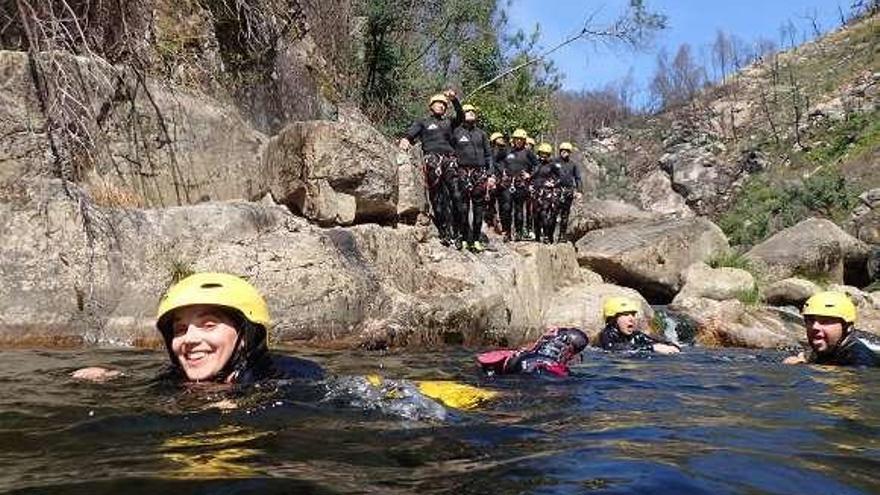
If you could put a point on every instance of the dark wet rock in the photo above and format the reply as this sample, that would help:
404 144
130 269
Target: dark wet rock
651 256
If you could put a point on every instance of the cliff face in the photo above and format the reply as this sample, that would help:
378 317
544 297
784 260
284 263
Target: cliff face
203 138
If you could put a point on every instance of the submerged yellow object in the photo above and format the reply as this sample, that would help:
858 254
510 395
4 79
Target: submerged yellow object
454 394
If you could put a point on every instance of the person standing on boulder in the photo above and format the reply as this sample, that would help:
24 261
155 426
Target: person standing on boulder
516 169
571 183
476 179
499 151
435 134
829 319
620 333
545 194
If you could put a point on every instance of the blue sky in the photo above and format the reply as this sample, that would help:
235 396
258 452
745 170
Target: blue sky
589 66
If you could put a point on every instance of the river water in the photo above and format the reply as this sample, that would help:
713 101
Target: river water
717 422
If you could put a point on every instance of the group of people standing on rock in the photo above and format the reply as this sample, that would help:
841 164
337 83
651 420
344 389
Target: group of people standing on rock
521 190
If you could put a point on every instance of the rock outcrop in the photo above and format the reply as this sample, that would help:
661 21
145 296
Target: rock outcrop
587 215
651 256
814 247
333 173
790 292
720 284
136 141
656 195
75 271
733 324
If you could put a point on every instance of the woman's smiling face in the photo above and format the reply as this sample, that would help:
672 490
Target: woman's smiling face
203 341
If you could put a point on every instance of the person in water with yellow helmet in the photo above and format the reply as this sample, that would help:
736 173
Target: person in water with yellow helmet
621 331
215 330
829 320
214 327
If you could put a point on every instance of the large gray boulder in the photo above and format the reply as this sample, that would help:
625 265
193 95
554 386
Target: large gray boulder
587 215
321 169
720 284
790 292
580 305
651 256
656 195
814 247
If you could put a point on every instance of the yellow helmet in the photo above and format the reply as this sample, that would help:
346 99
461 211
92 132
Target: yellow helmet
468 108
566 146
545 148
530 141
495 136
439 97
220 289
520 134
614 306
831 304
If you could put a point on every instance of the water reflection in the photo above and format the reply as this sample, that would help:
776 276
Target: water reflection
704 422
221 453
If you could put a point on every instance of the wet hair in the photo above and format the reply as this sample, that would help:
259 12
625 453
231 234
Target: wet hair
251 352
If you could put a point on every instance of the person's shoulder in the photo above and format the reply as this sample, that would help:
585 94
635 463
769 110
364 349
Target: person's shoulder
291 367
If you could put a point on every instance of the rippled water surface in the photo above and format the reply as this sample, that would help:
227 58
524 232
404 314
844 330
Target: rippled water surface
704 422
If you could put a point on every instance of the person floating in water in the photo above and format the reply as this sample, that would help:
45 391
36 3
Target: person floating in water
214 326
550 354
620 333
215 329
829 320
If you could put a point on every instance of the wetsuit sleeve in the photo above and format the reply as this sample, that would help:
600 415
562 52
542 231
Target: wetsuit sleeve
578 182
487 153
414 131
459 113
533 162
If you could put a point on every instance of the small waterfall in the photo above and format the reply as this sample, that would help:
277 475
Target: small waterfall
676 327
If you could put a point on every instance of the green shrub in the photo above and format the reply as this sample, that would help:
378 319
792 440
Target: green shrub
763 207
751 297
731 259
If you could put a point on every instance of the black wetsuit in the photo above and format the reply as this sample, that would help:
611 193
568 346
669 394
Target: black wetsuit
612 339
570 179
514 188
470 193
491 212
551 354
435 134
852 351
545 197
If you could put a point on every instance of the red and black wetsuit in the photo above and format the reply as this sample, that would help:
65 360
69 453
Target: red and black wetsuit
551 354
